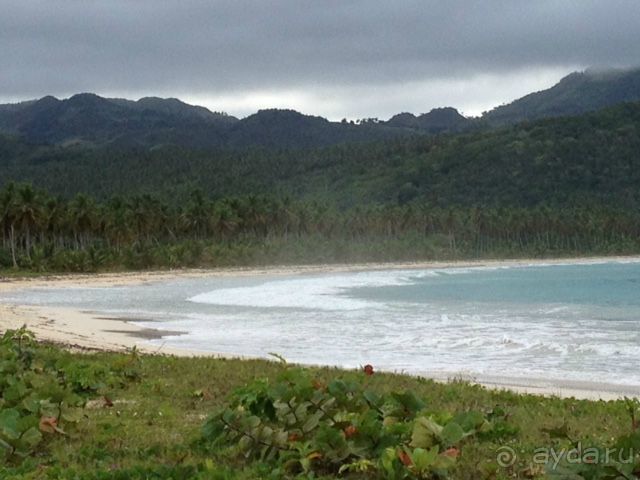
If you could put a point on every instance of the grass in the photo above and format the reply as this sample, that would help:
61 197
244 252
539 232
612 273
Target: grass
151 427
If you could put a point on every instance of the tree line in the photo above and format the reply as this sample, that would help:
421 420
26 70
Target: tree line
44 232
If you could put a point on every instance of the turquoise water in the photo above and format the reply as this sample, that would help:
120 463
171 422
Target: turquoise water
562 323
602 285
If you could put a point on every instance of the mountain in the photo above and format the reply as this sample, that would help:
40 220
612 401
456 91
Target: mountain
88 118
152 122
576 93
437 120
587 160
290 129
176 108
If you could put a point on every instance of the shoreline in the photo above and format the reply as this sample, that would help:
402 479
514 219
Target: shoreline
93 331
106 279
83 331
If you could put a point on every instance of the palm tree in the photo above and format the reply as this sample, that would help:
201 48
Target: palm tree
53 217
27 213
196 216
82 211
115 222
225 219
7 219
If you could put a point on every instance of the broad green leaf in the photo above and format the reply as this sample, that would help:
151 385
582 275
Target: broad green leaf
409 401
31 404
5 446
373 398
301 410
9 419
312 421
253 421
30 438
424 431
451 434
15 392
470 421
245 443
423 459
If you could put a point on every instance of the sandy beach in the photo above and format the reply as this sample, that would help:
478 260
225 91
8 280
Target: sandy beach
89 331
132 278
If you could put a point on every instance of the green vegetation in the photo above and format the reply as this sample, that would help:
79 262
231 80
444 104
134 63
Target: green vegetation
280 187
40 233
88 120
44 390
124 416
556 187
301 425
588 161
92 121
576 93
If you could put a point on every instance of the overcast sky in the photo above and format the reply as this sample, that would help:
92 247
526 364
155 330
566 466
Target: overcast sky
336 58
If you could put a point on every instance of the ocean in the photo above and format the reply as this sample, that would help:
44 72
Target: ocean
558 323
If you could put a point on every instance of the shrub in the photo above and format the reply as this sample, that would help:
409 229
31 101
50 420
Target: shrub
301 425
35 403
43 390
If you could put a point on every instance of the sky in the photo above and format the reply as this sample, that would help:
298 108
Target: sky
335 58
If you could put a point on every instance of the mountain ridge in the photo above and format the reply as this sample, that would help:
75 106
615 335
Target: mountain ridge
92 120
574 94
584 161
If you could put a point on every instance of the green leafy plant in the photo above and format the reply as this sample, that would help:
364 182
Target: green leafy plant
302 425
34 402
583 461
41 393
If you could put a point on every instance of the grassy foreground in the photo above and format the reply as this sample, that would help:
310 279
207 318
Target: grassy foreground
124 416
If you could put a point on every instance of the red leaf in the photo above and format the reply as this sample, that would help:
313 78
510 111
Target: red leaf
452 452
405 458
48 424
350 431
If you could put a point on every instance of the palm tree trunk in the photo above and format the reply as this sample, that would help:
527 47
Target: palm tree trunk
28 242
13 246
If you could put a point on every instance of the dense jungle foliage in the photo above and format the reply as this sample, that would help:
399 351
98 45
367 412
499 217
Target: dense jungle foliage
590 158
43 233
563 186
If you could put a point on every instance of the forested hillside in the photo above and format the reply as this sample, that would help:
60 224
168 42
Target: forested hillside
592 159
577 93
92 121
88 120
564 186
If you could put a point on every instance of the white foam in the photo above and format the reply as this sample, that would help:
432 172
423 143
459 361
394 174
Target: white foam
320 319
318 293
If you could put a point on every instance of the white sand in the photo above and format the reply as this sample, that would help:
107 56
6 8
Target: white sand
78 330
86 331
132 278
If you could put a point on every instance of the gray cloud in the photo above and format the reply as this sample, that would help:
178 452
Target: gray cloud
299 52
